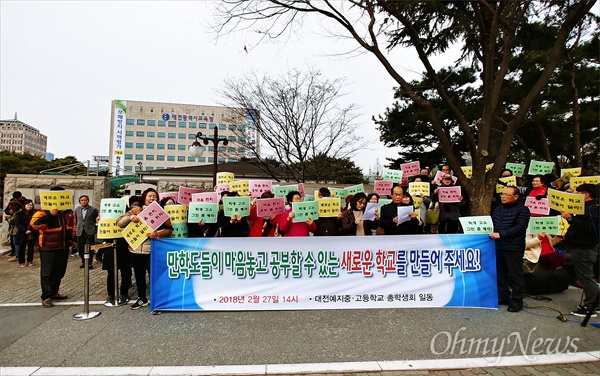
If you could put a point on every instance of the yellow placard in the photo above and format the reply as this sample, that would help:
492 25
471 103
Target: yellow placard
242 187
108 229
488 167
61 200
577 181
419 188
177 213
224 177
135 233
563 226
329 207
509 180
573 172
569 202
467 170
417 201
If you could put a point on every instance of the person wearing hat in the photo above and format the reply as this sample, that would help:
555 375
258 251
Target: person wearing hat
449 211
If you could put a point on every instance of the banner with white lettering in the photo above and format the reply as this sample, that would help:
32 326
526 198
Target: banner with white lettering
296 273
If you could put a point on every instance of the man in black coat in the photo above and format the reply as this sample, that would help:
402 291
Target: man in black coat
510 227
388 217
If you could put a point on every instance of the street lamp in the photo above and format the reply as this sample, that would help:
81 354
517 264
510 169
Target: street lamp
196 149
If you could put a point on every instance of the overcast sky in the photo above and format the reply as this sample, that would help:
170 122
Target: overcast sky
64 61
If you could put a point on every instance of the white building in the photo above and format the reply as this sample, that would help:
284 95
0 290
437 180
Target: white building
20 137
148 136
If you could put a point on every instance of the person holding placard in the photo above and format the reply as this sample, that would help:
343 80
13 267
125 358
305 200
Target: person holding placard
582 243
263 226
140 257
327 226
371 225
235 226
287 226
537 189
392 217
449 211
510 227
352 223
57 233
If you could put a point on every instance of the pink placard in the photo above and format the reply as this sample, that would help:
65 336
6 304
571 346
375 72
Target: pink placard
538 206
221 187
410 169
154 215
383 188
258 187
185 194
173 195
268 206
449 194
301 189
438 178
206 197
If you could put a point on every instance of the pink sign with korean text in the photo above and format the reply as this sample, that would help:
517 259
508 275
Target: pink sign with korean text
221 187
410 169
449 194
383 187
154 215
185 194
268 206
258 187
541 207
206 197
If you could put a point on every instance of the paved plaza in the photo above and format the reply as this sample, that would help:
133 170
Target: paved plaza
120 341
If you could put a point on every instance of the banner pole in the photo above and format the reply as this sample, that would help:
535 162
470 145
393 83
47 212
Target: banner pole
86 289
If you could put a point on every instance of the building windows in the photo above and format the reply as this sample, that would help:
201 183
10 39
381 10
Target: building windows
150 134
192 136
162 123
149 157
171 135
222 127
160 168
211 160
211 126
141 122
242 139
139 157
221 148
139 145
181 147
149 146
151 123
202 159
202 125
139 133
130 122
181 136
172 123
232 150
191 159
211 148
128 156
241 128
160 146
128 133
231 138
221 160
171 146
180 158
231 127
241 150
160 157
128 168
182 124
149 168
170 158
231 160
129 145
192 125
161 134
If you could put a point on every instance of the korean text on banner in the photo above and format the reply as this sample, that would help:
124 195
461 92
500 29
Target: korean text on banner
355 189
574 172
419 188
508 181
135 233
540 167
468 171
240 186
258 187
577 181
338 192
517 169
61 200
221 188
409 271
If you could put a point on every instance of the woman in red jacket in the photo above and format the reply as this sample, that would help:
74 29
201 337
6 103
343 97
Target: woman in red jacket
263 226
287 226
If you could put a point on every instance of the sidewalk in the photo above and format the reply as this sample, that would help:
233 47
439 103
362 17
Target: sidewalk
39 341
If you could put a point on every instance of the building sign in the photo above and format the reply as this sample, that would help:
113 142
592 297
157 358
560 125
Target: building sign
101 158
118 137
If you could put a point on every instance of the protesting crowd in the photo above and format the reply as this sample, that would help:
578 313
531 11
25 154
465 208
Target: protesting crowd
526 256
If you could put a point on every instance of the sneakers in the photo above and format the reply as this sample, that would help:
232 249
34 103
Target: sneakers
13 259
124 299
47 303
139 304
582 311
59 296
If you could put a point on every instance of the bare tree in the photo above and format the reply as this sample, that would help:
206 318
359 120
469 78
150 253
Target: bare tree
486 31
297 117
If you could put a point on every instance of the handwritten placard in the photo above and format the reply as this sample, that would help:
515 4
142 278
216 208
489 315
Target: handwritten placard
419 188
180 230
394 176
222 188
301 189
540 167
242 187
258 187
173 195
206 197
541 207
177 213
508 181
108 229
283 190
207 212
185 194
563 201
329 207
309 198
154 215
477 224
135 233
410 168
449 194
549 225
236 205
518 169
305 210
577 181
383 187
468 171
440 175
225 177
338 192
355 189
61 200
417 201
573 172
112 208
267 206
563 226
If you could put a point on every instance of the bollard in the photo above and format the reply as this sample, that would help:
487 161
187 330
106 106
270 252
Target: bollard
86 289
117 302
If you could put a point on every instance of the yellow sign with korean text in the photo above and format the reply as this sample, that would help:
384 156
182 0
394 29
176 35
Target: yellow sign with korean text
467 170
61 200
508 181
563 226
569 202
329 207
419 188
577 181
177 213
135 233
573 172
108 229
242 187
224 177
